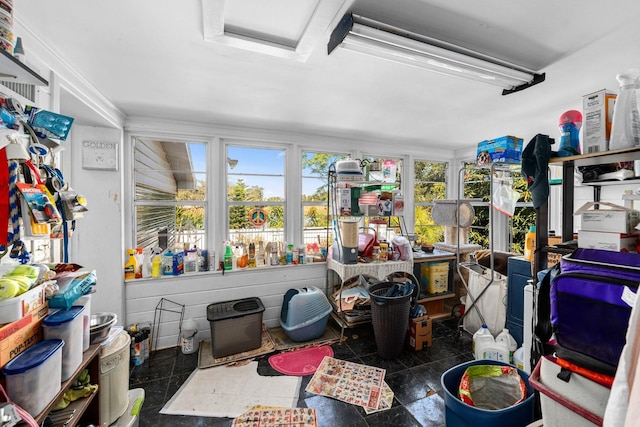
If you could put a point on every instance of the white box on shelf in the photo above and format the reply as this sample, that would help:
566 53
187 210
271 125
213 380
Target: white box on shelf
608 217
607 241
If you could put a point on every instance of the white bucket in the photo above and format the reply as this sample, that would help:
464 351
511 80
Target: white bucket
188 338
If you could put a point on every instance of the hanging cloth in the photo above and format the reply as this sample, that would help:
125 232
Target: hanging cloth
14 203
4 201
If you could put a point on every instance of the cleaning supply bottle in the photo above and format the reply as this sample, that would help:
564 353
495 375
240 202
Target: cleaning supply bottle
167 263
252 255
530 243
261 260
156 265
139 255
570 123
130 266
228 258
625 126
509 340
482 334
146 263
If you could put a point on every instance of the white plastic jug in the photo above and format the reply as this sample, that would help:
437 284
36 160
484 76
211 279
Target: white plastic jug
482 333
492 351
188 336
518 358
509 340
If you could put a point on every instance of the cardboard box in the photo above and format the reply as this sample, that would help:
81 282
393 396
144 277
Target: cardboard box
607 241
597 112
419 334
506 149
608 217
18 336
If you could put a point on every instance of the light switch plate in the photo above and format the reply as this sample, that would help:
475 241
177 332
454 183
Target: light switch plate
100 155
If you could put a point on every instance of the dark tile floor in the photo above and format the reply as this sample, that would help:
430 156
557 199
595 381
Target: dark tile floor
413 376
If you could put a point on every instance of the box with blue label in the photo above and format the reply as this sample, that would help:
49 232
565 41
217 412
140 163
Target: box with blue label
506 149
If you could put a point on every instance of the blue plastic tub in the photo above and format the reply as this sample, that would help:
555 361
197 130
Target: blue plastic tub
459 414
304 314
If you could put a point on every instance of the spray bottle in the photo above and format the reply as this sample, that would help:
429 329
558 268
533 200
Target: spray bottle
228 257
625 126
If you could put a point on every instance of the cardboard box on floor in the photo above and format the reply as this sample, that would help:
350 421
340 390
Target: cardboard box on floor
419 334
18 336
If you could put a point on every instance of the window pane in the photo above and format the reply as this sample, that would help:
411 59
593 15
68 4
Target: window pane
430 183
170 193
316 230
257 174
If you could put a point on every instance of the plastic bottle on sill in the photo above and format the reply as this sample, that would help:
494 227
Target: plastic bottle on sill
139 255
130 266
228 258
156 265
261 259
509 340
146 263
252 255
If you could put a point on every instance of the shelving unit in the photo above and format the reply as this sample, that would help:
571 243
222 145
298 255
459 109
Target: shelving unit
434 303
493 169
87 409
568 165
338 274
12 69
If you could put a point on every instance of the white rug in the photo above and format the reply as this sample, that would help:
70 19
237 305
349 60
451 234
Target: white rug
225 391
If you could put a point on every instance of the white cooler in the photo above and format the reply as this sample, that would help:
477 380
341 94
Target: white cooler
114 379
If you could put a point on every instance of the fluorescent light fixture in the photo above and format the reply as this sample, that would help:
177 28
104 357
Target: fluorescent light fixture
374 38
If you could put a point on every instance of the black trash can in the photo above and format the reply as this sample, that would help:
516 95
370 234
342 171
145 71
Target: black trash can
390 318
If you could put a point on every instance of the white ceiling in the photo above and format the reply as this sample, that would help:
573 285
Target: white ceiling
150 59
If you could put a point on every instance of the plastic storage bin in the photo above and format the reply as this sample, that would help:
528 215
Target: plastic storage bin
85 301
114 378
435 276
304 313
67 326
33 377
577 402
459 414
236 326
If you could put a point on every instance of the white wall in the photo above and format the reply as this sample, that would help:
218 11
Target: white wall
98 240
197 291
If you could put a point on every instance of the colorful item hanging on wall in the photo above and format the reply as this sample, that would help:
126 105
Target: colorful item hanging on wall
258 217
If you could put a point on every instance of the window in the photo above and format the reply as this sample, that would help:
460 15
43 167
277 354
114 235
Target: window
315 225
477 185
384 180
430 183
170 187
256 203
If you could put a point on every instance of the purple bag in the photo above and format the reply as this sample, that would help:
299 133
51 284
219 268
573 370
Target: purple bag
590 302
